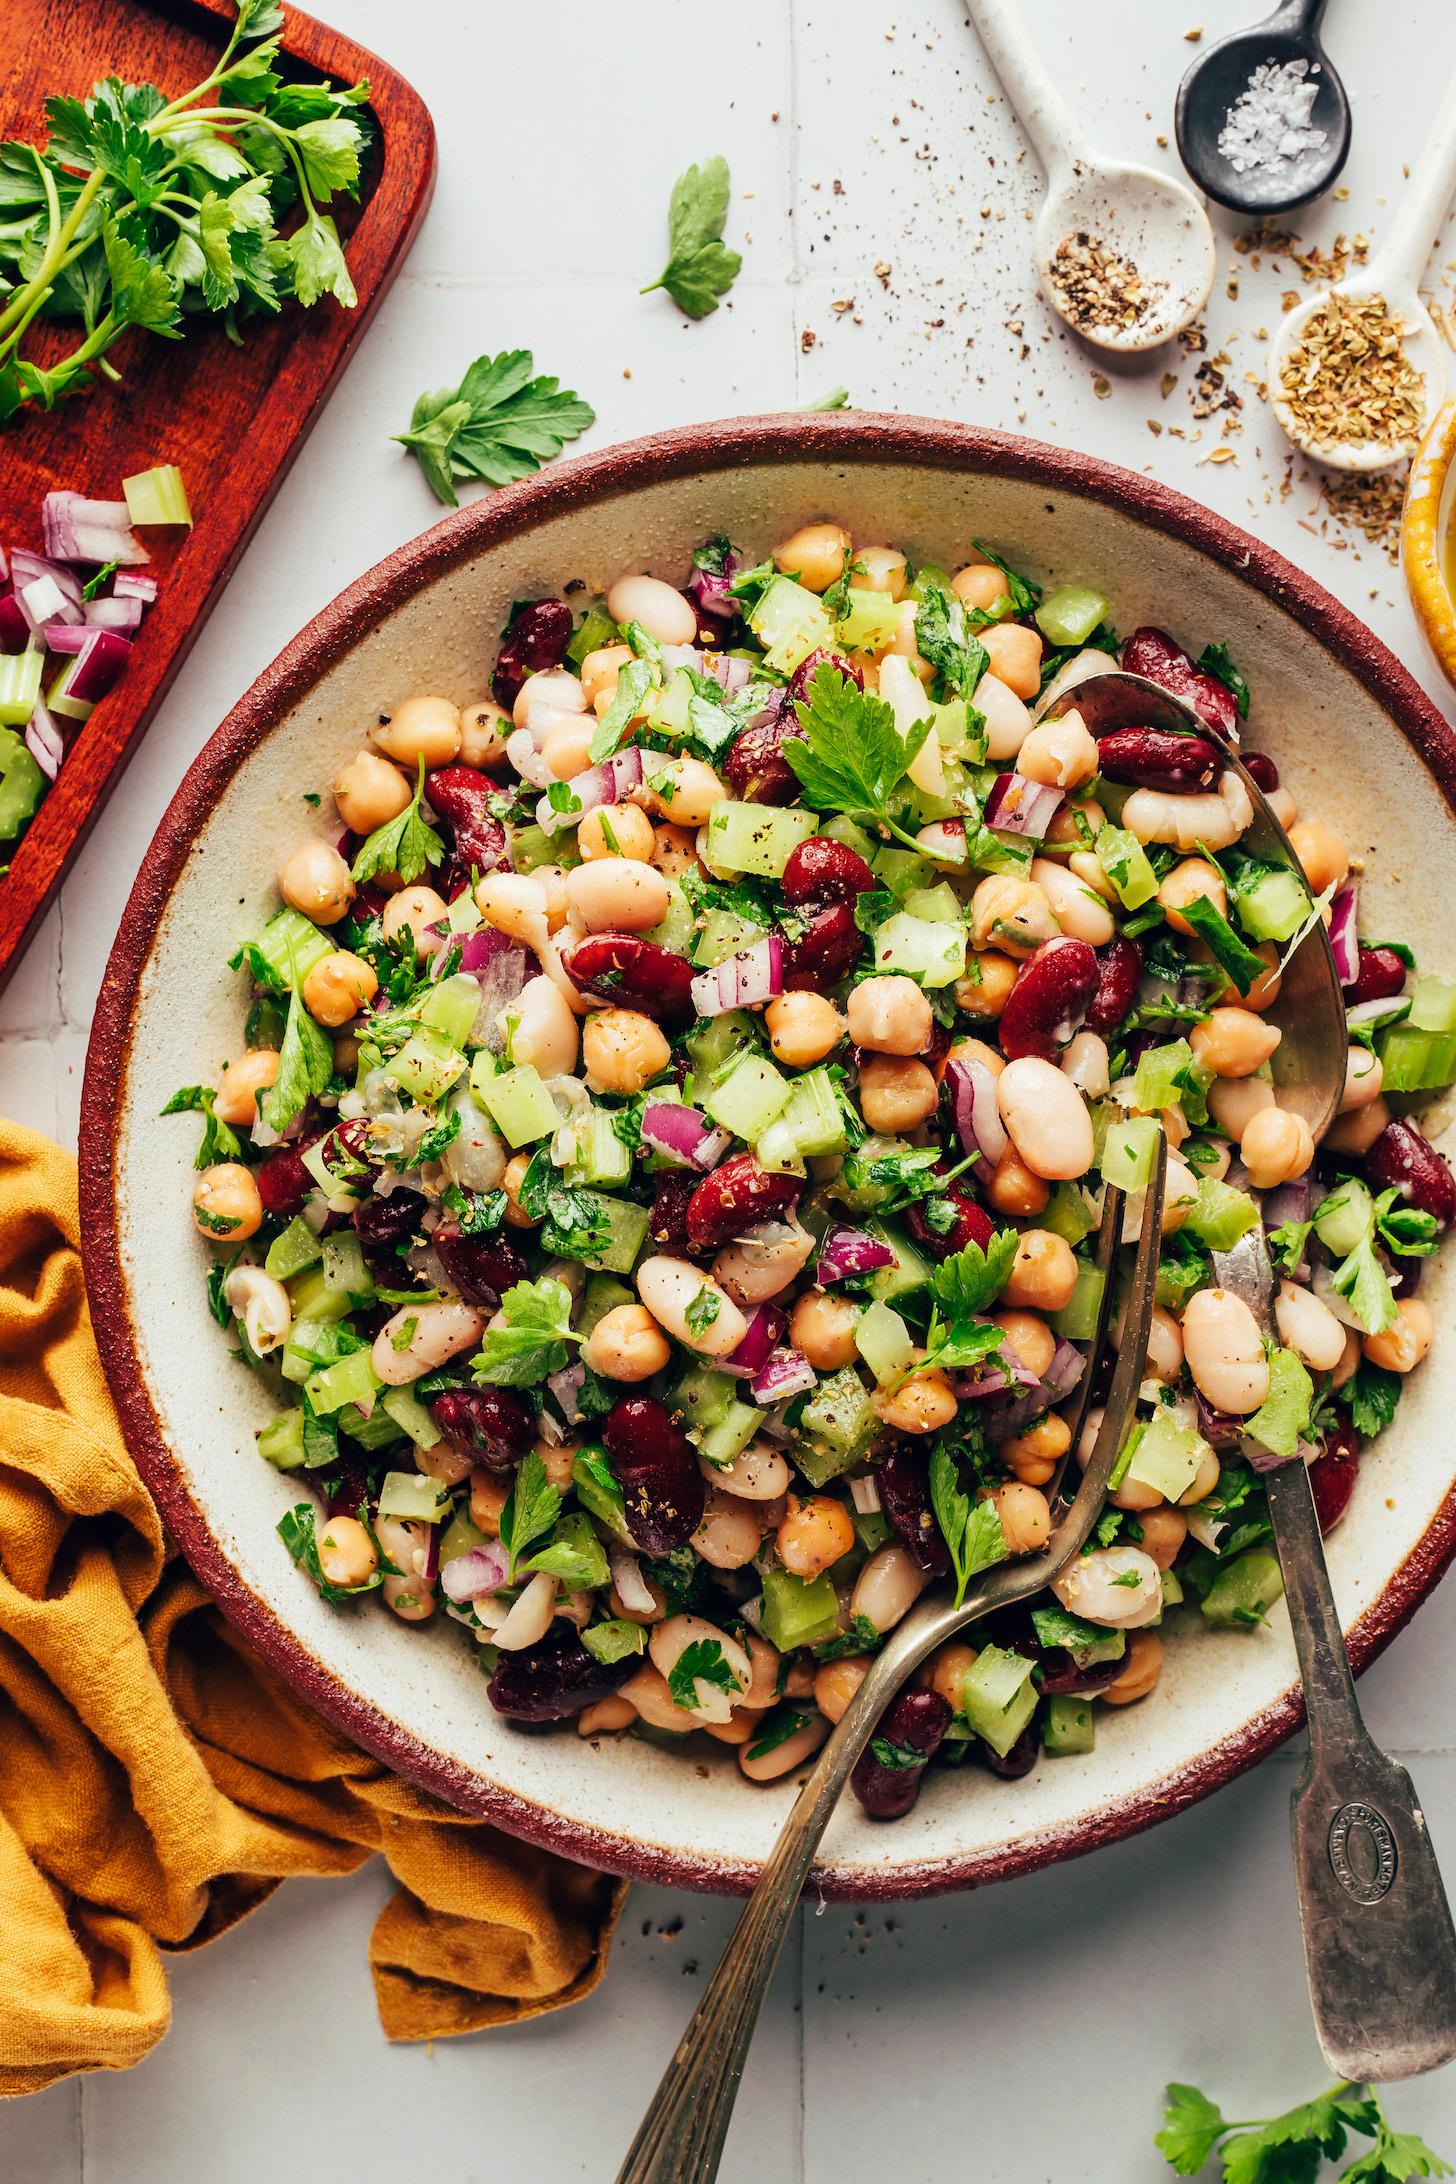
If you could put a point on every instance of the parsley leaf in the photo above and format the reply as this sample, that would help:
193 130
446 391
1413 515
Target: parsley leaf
860 1637
613 1639
1405 1229
404 845
1292 2148
499 424
943 636
531 1507
532 1342
971 1280
1370 1395
1025 597
575 1223
633 684
218 1141
699 267
296 1530
851 757
700 1663
305 1065
1286 1245
702 1312
1229 952
1192 2127
777 1730
971 1530
1217 660
574 1554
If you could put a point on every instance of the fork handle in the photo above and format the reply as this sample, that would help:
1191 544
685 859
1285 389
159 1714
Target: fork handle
1379 1946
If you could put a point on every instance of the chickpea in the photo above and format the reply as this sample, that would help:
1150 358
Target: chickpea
369 792
622 1050
739 1729
785 1757
1012 1188
511 1182
346 1553
1309 1328
816 555
242 1081
566 746
1265 990
600 669
1026 1519
339 986
821 1329
836 1682
1008 720
315 880
606 1717
729 1534
1030 1338
1233 1042
683 790
1194 880
946 1671
879 569
488 1497
444 1463
1033 1456
814 1534
627 1344
420 910
887 1588
895 1093
226 1208
1224 1351
1015 652
540 1029
1322 854
1357 1131
690 1305
483 731
1364 1080
1164 1531
1061 753
1400 1348
1046 1119
986 994
765 1664
1205 1479
420 728
1077 908
802 1029
923 1403
660 609
981 585
889 1015
1044 1273
617 895
1233 1102
1140 1670
674 851
1015 916
1064 832
1276 1146
617 830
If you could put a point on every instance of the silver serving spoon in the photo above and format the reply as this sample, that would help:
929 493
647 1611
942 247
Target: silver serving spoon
1132 212
1219 78
1379 1946
680 2140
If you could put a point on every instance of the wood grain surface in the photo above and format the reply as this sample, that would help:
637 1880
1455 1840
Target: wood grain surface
232 418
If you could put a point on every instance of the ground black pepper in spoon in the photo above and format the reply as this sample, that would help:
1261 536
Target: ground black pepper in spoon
1248 132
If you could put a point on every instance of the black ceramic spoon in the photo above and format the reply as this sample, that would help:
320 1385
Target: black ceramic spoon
1218 79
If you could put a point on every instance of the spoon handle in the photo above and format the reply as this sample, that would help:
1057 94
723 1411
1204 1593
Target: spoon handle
1299 18
1423 206
1040 108
1379 1946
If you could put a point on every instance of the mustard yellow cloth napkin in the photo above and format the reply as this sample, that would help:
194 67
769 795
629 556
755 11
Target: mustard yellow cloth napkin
156 1780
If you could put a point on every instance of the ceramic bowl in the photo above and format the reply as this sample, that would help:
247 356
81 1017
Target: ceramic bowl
1428 538
1353 736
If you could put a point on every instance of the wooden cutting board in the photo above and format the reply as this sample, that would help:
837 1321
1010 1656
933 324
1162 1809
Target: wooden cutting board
232 418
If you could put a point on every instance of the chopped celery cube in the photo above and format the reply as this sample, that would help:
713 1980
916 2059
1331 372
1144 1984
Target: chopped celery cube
730 1436
1155 1083
378 1430
597 1489
157 496
870 622
1127 1152
1273 905
901 870
1077 1319
459 1536
22 784
451 1007
1241 1596
910 1271
871 1528
814 1116
1068 1728
837 1424
939 904
751 1096
1068 1214
337 1195
840 829
998 1697
411 1494
532 846
883 1341
350 1379
1345 1217
281 1441
1221 1215
1172 1589
675 930
295 1361
427 1065
798 1611
703 1397
345 1273
1068 615
20 677
930 950
410 1415
724 934
519 1104
778 1149
601 1156
1125 861
1167 1456
626 1233
463 916
293 1249
1087 1643
312 1299
1417 1055
757 838
716 1044
1433 1005
291 945
601 1296
790 623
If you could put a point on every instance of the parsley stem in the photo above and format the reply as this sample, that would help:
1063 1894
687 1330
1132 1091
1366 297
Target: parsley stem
56 247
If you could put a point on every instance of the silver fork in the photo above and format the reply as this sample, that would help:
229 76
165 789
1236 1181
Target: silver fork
680 2140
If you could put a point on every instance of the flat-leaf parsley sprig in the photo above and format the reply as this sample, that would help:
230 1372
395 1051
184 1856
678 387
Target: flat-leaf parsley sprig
1293 2148
851 757
501 423
700 268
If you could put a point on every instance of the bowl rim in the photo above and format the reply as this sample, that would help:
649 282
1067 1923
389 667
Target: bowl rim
844 437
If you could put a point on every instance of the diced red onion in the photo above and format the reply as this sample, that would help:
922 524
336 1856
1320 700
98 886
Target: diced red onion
1219 1428
1289 1202
754 1351
745 981
15 631
1019 806
1006 1419
1206 1528
26 566
65 637
77 529
500 968
728 669
118 613
43 601
430 1561
977 1113
608 783
996 1379
1322 1282
630 1586
43 740
1065 1369
865 1494
786 1375
846 1252
708 588
683 1135
1343 943
480 1570
1263 1459
99 665
566 1386
1363 1013
126 584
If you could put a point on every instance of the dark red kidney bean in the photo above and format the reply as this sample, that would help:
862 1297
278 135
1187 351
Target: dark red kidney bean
482 1268
972 1224
537 639
1049 999
667 1223
1152 652
1404 1158
1119 970
825 952
345 1147
1405 1276
662 1488
349 1488
758 772
553 1678
459 794
1382 976
1158 758
282 1179
492 1426
809 667
823 870
736 1197
1261 770
630 973
905 1499
381 1223
1060 1677
1332 1475
914 1724
1021 1758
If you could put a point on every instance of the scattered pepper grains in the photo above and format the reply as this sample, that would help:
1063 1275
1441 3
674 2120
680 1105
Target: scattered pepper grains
1349 379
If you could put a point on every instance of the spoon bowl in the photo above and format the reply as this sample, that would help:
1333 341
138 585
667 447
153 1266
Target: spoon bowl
1151 221
1423 347
1213 86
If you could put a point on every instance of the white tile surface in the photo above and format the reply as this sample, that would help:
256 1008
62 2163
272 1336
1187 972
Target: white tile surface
861 134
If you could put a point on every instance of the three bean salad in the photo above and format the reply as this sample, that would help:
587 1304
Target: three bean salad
659 1171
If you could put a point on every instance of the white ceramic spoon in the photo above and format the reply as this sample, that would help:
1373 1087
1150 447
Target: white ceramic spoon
1150 218
1394 273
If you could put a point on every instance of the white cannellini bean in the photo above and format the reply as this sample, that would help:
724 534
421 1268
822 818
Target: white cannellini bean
1008 722
760 1473
729 1533
439 1332
671 1638
616 895
262 1305
671 1288
530 1616
1095 1587
662 612
1084 1063
1046 1119
1078 911
541 1029
1225 1351
1213 819
887 1587
763 1261
785 1757
544 698
1308 1328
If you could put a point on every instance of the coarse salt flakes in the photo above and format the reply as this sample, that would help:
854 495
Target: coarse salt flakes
1268 129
